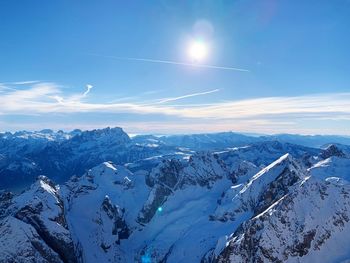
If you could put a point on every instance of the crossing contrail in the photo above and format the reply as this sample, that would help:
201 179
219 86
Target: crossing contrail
175 63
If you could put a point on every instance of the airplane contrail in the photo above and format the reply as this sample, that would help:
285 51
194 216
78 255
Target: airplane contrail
175 63
26 82
186 96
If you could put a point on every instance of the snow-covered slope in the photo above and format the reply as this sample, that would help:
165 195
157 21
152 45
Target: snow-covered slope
102 208
334 166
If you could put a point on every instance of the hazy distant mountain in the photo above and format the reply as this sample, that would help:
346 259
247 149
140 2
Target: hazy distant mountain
310 140
212 141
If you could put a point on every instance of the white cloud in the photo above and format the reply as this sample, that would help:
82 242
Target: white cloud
269 113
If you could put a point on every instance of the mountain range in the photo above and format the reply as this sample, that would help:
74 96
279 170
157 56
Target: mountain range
103 196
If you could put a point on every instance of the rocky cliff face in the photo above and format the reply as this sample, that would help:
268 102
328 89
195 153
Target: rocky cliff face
202 170
37 216
310 223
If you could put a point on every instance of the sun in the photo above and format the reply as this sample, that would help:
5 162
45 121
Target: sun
197 51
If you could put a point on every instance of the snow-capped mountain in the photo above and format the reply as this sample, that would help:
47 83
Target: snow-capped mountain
24 156
263 202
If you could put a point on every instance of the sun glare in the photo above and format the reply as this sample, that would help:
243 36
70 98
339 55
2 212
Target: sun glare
197 51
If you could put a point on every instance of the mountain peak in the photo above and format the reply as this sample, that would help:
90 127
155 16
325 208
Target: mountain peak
107 135
263 189
274 169
332 150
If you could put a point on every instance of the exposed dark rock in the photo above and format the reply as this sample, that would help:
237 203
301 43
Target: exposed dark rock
120 228
332 150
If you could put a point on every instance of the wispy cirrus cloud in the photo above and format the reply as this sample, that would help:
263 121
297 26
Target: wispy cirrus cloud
46 98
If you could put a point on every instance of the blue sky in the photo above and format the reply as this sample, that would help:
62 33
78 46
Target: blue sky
66 65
